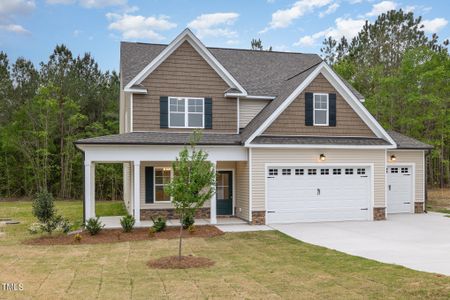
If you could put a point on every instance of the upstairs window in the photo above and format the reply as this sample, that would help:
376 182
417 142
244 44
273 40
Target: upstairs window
186 112
320 110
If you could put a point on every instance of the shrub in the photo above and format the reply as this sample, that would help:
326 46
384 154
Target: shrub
93 226
191 229
159 224
77 237
187 220
151 232
43 207
34 228
62 224
127 223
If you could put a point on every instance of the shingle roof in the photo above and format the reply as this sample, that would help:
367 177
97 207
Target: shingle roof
406 142
161 138
261 73
316 140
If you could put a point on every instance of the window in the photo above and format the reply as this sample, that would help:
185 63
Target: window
404 170
286 172
299 171
348 171
186 112
312 171
273 172
361 171
394 170
321 109
162 178
336 171
324 171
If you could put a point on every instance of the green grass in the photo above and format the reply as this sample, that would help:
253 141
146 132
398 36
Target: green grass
439 200
256 265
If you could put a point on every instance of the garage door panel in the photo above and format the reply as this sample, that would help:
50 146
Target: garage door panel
321 197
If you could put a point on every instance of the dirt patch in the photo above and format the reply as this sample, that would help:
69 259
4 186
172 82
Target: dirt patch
117 236
186 262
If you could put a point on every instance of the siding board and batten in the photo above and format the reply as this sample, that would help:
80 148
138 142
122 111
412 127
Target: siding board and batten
184 73
292 120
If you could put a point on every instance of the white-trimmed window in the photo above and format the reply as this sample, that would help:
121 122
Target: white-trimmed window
186 112
321 109
162 178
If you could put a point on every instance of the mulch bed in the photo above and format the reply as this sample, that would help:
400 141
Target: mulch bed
186 262
117 235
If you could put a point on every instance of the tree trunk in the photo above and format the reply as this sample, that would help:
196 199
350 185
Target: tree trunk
181 236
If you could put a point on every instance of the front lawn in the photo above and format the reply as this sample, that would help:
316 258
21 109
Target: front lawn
257 265
439 200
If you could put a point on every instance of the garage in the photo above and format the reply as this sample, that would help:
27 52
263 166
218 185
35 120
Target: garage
400 198
314 194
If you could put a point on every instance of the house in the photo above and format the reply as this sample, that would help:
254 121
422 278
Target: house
291 141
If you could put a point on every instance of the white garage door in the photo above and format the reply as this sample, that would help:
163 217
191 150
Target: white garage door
312 194
400 193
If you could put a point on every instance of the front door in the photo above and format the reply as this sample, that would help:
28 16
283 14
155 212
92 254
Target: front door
224 190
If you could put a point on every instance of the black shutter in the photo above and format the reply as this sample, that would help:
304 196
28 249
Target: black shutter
148 184
164 112
332 109
309 119
208 113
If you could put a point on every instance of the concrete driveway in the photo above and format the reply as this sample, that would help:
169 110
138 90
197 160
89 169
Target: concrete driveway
420 242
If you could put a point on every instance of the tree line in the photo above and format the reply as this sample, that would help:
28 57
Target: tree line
42 112
405 78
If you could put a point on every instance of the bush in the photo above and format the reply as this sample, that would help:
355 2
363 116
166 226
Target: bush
191 229
159 224
188 220
127 223
77 237
151 232
34 228
93 226
43 207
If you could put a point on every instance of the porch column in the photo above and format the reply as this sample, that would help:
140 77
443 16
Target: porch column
137 191
213 205
89 190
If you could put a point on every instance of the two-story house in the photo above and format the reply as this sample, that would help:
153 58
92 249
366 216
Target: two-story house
290 140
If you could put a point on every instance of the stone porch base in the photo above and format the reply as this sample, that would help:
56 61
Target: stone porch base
418 207
379 213
169 213
258 218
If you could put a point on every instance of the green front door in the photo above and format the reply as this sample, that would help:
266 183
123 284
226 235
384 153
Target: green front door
224 190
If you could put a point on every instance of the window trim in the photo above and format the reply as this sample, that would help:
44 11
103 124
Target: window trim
321 109
186 112
154 184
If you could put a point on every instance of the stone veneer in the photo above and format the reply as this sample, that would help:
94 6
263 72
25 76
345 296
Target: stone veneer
379 213
169 213
418 207
258 218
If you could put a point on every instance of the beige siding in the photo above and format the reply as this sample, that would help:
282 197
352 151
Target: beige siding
248 109
241 197
292 120
184 73
416 158
291 156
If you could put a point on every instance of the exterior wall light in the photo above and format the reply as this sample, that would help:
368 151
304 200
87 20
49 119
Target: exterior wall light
393 158
322 157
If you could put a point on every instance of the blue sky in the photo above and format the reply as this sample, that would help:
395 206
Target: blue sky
32 28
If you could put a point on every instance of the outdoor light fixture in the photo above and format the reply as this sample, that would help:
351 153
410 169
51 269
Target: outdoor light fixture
393 158
322 157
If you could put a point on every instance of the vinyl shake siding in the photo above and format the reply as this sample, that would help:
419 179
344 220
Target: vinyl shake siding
248 109
184 73
292 120
292 156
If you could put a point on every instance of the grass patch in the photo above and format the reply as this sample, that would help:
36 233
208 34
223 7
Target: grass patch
439 200
254 265
110 208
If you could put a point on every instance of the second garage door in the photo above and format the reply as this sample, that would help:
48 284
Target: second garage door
312 194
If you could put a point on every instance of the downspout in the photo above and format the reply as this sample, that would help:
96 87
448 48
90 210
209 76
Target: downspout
84 192
425 164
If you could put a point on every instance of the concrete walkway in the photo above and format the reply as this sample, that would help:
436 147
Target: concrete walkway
420 241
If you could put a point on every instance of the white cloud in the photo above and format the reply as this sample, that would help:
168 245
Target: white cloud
92 3
354 1
139 27
382 7
16 7
14 28
433 26
60 1
282 18
232 42
330 9
344 27
214 25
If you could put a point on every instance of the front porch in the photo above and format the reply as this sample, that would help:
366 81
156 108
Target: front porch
147 168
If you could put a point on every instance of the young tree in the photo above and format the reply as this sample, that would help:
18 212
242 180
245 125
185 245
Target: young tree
193 182
256 44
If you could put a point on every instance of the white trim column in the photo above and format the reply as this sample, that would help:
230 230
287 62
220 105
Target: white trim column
213 204
137 191
89 190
